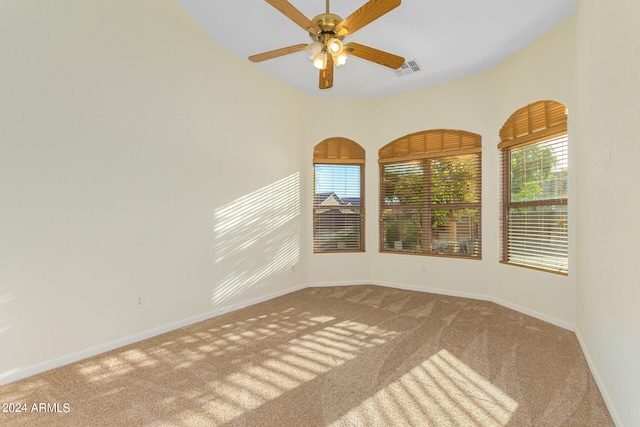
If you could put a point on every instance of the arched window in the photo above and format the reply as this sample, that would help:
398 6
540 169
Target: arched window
534 147
430 194
338 196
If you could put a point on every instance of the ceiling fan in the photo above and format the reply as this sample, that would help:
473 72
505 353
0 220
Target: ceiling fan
327 31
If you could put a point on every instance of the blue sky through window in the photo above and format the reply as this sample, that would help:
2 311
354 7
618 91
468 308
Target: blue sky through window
344 180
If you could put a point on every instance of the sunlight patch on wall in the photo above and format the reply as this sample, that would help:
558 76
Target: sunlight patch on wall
442 390
257 237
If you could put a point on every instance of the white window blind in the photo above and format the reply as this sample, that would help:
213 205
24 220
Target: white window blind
535 181
337 213
537 216
431 205
338 206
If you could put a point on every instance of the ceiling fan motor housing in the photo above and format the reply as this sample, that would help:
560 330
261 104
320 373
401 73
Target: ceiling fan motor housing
327 23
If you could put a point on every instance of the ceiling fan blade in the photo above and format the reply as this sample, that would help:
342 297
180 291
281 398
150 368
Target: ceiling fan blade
276 53
295 15
326 75
366 14
378 56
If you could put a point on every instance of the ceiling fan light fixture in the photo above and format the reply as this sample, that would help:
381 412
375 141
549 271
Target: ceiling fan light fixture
320 61
340 59
335 47
313 49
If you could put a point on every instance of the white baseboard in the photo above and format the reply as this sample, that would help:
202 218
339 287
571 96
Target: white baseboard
431 290
21 373
512 306
596 376
544 317
331 284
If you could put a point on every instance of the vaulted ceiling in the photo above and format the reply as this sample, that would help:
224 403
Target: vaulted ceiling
447 39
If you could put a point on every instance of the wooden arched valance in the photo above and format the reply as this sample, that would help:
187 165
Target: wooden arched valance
338 150
532 122
431 143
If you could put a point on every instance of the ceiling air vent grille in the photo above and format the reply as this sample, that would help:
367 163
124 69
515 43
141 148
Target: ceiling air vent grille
408 67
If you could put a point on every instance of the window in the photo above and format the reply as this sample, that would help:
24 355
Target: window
534 187
430 188
338 208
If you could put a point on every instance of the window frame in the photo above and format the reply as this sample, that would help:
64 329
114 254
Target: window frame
339 152
422 148
536 123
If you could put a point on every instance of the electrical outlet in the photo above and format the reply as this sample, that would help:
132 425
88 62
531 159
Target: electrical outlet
139 301
424 268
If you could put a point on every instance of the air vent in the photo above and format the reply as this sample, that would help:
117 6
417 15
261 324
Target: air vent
408 67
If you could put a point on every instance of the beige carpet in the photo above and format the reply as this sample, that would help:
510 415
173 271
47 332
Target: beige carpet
342 356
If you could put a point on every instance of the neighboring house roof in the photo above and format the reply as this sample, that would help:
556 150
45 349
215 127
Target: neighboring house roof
327 199
332 199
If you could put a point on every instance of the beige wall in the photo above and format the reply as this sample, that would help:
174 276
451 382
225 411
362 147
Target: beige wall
131 147
607 114
140 158
479 104
543 70
351 121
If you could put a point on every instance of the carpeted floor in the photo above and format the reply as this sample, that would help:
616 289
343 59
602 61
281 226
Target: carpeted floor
340 356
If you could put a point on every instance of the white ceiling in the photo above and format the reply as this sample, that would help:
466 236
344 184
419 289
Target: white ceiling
447 38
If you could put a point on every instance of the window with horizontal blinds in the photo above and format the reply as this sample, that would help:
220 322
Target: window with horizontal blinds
535 182
430 194
338 208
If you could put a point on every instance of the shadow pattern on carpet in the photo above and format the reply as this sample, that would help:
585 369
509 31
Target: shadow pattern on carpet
335 356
